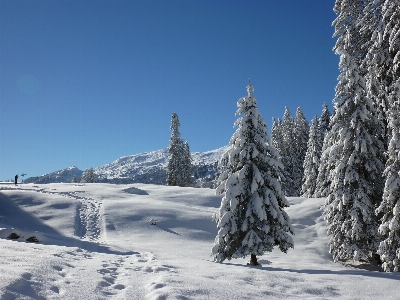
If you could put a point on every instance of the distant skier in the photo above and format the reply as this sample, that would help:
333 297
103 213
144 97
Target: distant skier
16 179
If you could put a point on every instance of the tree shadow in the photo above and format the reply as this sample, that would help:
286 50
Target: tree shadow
357 272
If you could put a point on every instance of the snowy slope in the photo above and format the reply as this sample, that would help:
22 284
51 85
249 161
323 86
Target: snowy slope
97 243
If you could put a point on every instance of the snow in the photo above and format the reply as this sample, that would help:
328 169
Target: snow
96 242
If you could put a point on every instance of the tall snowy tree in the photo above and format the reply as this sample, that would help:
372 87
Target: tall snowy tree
89 176
324 121
356 179
301 132
311 161
389 209
187 166
251 219
277 141
288 155
176 161
323 182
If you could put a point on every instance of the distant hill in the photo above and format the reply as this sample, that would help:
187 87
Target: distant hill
148 167
65 175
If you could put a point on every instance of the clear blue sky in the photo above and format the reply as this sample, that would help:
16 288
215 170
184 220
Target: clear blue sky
86 82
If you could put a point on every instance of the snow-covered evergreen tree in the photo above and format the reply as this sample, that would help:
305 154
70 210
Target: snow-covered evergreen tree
323 182
179 168
89 176
356 187
389 209
187 166
251 219
288 155
277 141
175 167
301 132
311 161
324 122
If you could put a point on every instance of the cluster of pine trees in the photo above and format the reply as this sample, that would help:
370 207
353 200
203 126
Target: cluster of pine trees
360 161
352 158
357 166
299 148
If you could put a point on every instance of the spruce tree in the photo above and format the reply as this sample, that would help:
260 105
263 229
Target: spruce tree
175 167
187 166
89 176
311 161
355 188
323 182
288 156
301 132
389 209
251 219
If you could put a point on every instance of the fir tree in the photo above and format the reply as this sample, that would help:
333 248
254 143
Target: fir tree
277 141
187 166
311 161
355 188
179 168
89 176
251 219
301 132
288 155
389 209
323 182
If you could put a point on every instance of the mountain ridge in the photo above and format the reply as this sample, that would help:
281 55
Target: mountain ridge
146 167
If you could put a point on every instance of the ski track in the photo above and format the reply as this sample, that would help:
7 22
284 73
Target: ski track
89 217
66 270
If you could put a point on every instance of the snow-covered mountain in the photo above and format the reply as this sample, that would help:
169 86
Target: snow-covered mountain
148 167
65 175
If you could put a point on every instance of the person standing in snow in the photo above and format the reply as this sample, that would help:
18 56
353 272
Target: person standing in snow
16 179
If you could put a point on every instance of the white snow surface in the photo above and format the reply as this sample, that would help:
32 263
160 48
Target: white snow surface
131 165
97 242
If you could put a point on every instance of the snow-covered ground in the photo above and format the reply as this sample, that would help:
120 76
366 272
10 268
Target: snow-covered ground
96 242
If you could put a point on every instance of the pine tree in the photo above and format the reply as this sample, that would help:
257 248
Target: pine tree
311 161
288 156
187 166
324 122
179 168
277 141
389 209
323 182
251 219
301 132
355 188
89 176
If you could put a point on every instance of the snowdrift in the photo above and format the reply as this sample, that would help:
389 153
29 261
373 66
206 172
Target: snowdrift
141 241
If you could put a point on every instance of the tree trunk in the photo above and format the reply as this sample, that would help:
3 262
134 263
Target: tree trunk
253 260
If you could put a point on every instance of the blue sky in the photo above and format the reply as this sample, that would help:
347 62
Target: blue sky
85 82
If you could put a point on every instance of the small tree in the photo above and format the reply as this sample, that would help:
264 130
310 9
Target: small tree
251 219
89 176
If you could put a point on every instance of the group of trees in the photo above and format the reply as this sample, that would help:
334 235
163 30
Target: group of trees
352 158
299 147
360 162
